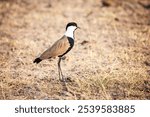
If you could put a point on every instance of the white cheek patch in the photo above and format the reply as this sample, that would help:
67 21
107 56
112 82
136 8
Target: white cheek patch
70 30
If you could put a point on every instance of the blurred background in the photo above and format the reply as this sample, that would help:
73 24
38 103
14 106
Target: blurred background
110 59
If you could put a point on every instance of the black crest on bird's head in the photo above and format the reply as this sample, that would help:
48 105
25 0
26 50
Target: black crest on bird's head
71 24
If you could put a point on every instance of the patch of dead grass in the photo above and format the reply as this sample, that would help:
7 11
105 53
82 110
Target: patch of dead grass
110 59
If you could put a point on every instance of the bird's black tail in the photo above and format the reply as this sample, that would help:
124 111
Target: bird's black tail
37 60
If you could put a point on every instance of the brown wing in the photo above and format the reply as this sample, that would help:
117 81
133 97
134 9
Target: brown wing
58 48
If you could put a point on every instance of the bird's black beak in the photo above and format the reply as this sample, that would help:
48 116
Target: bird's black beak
79 27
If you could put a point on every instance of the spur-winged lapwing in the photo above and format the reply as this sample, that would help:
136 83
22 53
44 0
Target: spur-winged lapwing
60 47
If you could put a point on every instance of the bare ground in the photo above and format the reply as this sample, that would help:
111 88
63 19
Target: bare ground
110 59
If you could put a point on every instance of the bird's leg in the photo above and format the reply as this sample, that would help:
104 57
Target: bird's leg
59 68
61 77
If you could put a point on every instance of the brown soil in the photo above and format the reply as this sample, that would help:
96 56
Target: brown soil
110 59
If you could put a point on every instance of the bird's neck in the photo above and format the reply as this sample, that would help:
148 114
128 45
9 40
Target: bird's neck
70 33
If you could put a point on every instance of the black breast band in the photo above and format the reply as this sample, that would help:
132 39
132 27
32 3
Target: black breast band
71 42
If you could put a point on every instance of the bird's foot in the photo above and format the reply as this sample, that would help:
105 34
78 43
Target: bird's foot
67 79
62 80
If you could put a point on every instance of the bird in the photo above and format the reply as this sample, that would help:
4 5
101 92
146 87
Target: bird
60 48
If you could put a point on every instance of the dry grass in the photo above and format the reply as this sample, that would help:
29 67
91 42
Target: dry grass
110 60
